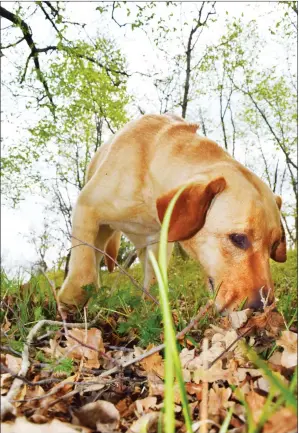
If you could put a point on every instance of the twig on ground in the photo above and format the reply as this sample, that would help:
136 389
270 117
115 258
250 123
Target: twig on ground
28 382
58 387
10 350
230 346
6 406
101 353
122 348
205 390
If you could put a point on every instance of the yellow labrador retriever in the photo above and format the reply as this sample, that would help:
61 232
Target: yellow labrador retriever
227 218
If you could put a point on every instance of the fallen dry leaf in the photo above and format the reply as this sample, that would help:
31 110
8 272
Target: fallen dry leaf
239 318
229 338
263 384
32 392
92 337
55 350
145 404
256 404
210 355
186 375
283 421
270 321
156 387
193 388
218 337
6 379
147 423
276 358
218 399
153 363
242 372
61 406
6 325
99 415
20 395
13 363
21 425
214 373
125 407
288 341
186 356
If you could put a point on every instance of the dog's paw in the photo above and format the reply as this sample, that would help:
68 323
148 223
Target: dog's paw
73 297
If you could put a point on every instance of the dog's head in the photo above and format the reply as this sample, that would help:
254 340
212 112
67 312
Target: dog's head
232 225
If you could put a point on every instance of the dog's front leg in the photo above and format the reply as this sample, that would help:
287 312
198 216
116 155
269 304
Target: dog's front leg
83 274
149 274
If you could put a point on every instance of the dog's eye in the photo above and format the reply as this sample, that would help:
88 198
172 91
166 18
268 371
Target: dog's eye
240 241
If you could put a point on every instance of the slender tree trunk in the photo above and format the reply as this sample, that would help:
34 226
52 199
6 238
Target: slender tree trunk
187 79
67 262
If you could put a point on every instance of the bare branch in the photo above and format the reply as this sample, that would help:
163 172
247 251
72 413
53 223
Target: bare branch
263 115
13 44
114 19
34 52
54 11
48 17
188 53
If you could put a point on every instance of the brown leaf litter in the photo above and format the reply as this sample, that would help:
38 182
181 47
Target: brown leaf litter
101 395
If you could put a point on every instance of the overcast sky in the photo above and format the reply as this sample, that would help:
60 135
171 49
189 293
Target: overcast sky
141 56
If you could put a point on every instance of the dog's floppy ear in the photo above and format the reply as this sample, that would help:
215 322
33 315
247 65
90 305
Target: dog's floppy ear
190 209
279 252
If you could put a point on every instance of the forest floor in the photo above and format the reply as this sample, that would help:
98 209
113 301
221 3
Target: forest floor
104 371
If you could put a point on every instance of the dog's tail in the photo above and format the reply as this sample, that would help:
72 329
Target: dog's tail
111 248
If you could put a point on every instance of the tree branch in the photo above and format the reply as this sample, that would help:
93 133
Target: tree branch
13 44
264 117
34 51
48 17
55 12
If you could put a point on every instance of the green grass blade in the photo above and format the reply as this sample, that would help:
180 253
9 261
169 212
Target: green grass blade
169 418
164 236
273 379
171 355
225 424
172 360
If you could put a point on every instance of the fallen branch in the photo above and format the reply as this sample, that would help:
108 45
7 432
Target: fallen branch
61 385
4 369
230 346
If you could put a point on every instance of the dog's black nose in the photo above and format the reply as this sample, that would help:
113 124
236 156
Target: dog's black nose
256 304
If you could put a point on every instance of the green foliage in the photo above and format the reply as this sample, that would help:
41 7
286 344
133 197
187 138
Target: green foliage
148 330
285 278
64 365
137 317
90 98
26 304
